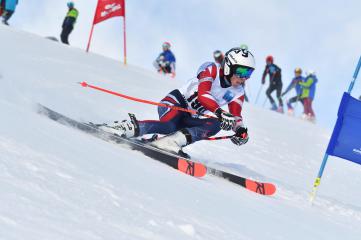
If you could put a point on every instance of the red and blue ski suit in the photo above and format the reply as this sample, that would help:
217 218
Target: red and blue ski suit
203 94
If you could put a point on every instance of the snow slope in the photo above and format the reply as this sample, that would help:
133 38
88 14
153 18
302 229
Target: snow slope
59 183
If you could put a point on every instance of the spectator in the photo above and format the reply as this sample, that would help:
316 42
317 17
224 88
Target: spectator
2 6
69 21
308 94
7 9
165 62
275 79
294 84
218 57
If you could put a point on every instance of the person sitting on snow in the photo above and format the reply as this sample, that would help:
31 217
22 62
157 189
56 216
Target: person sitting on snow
214 87
165 62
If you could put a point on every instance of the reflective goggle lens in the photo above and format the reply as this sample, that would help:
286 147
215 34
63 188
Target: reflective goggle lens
243 72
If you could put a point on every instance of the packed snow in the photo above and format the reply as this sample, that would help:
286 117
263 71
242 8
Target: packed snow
60 183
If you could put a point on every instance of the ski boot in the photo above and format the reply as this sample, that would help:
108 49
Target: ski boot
311 118
5 22
274 107
280 109
174 142
125 128
290 110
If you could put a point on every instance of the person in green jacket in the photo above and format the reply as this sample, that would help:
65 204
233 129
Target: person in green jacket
308 94
69 21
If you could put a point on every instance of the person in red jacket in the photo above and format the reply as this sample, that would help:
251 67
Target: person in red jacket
214 87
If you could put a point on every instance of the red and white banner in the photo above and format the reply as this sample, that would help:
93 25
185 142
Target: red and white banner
109 8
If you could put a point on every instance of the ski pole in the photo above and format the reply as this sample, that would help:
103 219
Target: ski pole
219 138
84 84
259 92
264 102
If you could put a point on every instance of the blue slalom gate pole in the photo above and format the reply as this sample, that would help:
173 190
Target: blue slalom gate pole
325 157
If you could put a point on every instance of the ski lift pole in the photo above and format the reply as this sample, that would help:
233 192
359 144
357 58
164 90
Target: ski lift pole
325 157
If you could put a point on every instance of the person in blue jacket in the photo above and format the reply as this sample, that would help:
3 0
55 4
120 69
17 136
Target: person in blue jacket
165 62
8 9
294 84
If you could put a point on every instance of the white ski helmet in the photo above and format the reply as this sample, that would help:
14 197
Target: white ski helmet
310 72
236 57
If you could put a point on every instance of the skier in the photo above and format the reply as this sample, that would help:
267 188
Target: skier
214 87
294 84
165 62
7 9
308 94
275 79
69 21
218 57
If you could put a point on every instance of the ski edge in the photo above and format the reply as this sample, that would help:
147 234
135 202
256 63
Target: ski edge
184 165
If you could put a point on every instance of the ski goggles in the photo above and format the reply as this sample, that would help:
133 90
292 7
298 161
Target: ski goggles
243 72
217 54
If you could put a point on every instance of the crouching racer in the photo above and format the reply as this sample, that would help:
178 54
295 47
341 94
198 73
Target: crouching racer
214 87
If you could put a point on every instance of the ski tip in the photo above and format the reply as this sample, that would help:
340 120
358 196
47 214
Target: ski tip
260 188
191 168
83 84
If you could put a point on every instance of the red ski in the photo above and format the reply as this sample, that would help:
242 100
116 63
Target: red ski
192 168
181 163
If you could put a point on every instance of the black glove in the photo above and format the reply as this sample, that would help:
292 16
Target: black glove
241 136
227 120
